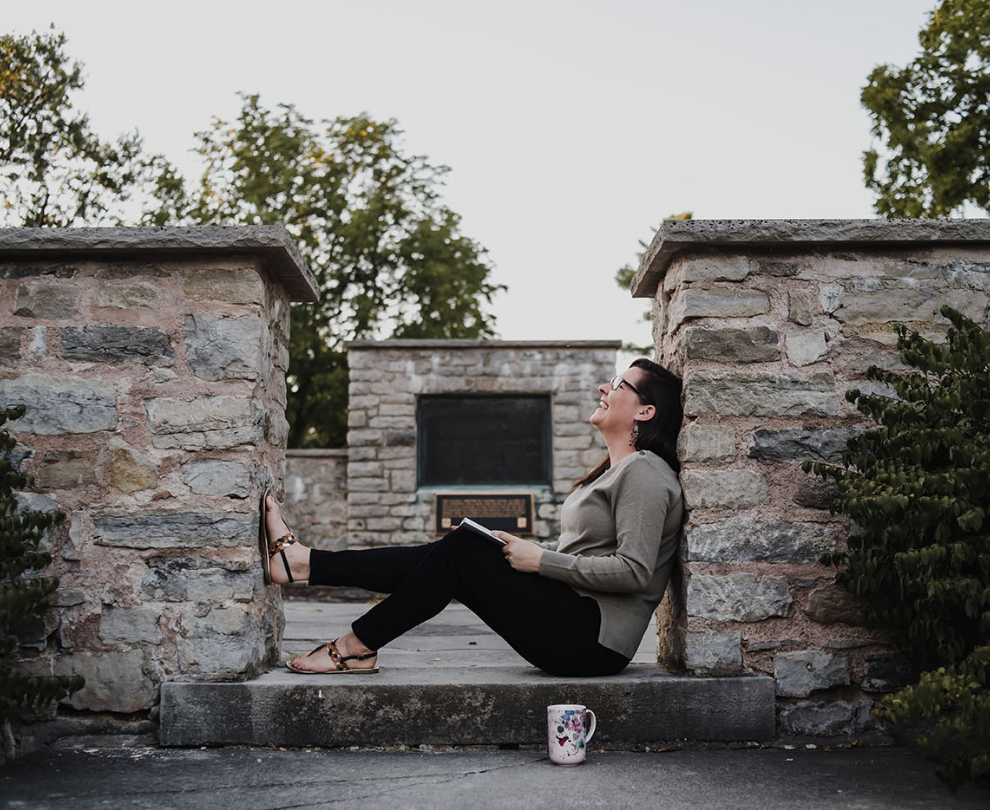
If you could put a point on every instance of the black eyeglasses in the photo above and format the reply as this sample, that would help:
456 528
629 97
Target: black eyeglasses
617 382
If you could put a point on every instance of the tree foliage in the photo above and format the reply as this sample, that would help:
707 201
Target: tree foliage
388 256
916 487
54 171
932 119
22 595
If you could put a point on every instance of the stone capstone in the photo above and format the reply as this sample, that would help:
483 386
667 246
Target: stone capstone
743 539
205 423
824 718
758 344
230 479
198 580
116 344
738 597
226 348
130 472
723 489
178 529
800 445
60 405
713 652
833 604
760 393
801 672
115 681
700 443
46 301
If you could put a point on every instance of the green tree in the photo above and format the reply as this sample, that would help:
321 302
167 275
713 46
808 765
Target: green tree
931 119
624 278
54 171
388 256
22 596
916 487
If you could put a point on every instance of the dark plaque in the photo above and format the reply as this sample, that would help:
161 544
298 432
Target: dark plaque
506 511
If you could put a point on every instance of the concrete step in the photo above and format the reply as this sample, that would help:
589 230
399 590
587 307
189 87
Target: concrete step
454 682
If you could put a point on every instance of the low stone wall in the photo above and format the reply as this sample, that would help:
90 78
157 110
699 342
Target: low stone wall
384 504
770 323
316 497
152 364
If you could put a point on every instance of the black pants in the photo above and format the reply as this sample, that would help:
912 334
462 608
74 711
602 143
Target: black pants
543 620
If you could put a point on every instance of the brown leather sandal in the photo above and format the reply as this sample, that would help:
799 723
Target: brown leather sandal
338 661
269 547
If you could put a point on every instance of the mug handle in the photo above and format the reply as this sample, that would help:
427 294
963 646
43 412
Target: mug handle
589 726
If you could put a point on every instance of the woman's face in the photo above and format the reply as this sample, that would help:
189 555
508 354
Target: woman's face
618 409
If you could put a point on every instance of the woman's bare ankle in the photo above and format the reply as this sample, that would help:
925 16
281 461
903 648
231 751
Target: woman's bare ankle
350 644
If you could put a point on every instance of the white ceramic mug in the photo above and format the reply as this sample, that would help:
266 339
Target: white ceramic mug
570 727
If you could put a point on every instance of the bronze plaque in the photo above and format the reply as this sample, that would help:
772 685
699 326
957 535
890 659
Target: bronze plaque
505 511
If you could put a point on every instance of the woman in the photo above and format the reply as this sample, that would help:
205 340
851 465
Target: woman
577 607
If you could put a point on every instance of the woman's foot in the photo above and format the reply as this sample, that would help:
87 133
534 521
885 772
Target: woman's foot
321 659
296 553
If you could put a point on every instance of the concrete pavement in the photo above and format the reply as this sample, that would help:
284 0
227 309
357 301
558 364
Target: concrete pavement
256 779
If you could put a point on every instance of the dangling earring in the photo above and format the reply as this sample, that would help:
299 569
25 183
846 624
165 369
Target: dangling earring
634 435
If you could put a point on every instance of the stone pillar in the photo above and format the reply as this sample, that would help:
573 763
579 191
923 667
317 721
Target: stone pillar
152 363
770 323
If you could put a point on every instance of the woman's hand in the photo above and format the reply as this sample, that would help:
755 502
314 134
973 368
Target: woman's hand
522 554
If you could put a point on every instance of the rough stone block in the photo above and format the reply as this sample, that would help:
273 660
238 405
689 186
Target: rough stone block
10 345
712 652
800 445
801 306
742 539
858 307
738 597
226 348
60 405
825 718
198 580
130 625
801 672
708 268
816 493
46 301
205 423
833 604
38 347
64 469
116 344
224 285
760 393
805 348
701 443
119 294
229 479
723 489
148 529
779 268
115 681
276 428
131 472
717 303
756 345
224 642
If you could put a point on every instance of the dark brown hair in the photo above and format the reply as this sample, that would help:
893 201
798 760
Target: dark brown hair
661 389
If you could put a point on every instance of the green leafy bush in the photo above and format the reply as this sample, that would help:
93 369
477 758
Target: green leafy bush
23 597
918 489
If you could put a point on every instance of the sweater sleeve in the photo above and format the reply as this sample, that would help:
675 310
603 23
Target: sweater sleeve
639 506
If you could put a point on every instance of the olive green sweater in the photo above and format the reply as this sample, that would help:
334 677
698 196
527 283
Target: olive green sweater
617 543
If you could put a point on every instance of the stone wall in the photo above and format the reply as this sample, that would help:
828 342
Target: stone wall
384 504
152 364
316 497
770 323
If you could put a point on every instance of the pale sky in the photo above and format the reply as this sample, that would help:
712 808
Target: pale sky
571 128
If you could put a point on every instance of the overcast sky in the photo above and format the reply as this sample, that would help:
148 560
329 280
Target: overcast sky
571 128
